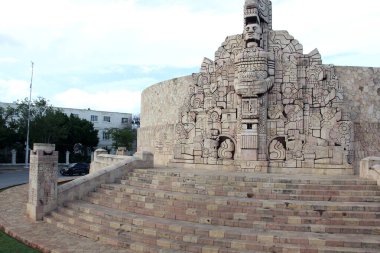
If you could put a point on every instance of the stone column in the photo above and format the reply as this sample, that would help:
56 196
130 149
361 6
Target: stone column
14 153
42 181
67 157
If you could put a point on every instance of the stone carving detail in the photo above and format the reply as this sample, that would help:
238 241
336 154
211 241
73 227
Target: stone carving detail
226 149
277 150
279 106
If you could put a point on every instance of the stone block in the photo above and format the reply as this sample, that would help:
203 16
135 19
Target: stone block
43 189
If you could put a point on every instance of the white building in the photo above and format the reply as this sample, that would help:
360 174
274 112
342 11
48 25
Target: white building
102 120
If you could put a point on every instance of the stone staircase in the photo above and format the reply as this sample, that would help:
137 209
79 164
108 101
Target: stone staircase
173 210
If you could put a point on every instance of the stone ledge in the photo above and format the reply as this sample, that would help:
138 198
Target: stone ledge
370 168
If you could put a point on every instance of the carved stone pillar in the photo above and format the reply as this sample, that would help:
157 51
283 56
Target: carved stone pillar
42 181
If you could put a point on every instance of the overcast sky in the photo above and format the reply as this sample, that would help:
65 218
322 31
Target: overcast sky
101 54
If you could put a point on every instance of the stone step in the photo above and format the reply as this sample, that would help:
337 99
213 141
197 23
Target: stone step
235 218
231 177
176 210
222 236
285 216
154 239
150 195
266 193
255 180
306 183
114 237
54 220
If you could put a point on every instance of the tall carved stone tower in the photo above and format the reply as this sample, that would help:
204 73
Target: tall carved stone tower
263 105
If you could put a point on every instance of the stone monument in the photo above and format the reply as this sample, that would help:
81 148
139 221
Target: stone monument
42 181
263 105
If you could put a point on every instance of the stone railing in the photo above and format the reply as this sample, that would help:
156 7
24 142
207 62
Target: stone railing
370 168
44 193
114 167
102 159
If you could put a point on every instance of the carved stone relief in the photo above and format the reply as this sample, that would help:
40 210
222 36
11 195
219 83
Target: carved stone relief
274 102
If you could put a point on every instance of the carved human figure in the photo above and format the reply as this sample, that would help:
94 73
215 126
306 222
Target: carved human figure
254 67
254 77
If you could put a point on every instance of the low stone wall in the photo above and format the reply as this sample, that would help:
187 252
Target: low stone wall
370 168
102 159
80 187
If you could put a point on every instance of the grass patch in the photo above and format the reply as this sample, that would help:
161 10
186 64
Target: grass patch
11 245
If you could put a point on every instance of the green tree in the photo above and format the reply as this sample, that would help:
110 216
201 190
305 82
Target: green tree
47 124
51 125
8 134
123 137
82 131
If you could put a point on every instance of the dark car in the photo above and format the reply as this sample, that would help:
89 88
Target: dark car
75 169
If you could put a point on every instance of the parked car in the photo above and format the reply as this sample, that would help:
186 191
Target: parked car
75 169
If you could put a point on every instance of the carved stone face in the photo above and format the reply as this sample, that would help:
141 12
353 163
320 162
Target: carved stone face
253 33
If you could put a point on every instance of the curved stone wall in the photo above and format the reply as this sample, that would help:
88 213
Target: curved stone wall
362 93
160 105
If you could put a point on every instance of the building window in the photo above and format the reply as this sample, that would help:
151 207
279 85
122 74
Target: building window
124 120
106 135
94 118
75 115
107 118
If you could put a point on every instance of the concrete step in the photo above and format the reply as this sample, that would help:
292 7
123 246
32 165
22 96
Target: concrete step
235 217
150 195
131 244
130 228
176 210
205 235
265 193
239 177
258 181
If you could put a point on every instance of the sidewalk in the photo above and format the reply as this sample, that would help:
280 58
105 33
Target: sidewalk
17 167
40 235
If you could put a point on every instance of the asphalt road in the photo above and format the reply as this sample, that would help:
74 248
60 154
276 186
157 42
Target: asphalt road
15 176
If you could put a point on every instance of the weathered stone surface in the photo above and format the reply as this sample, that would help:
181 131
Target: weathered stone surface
263 105
42 181
160 108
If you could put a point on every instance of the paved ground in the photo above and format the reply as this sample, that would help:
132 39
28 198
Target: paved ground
41 235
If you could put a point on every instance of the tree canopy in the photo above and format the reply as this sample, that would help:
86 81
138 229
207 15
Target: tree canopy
8 135
47 125
123 137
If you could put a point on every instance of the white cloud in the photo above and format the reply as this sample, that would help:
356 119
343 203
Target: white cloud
12 90
8 60
115 100
334 27
69 39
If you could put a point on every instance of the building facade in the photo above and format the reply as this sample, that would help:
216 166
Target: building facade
102 120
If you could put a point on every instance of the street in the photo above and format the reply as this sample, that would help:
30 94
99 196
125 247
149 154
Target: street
15 176
11 177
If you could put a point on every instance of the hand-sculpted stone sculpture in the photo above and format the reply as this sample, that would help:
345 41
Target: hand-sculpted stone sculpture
263 105
261 89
